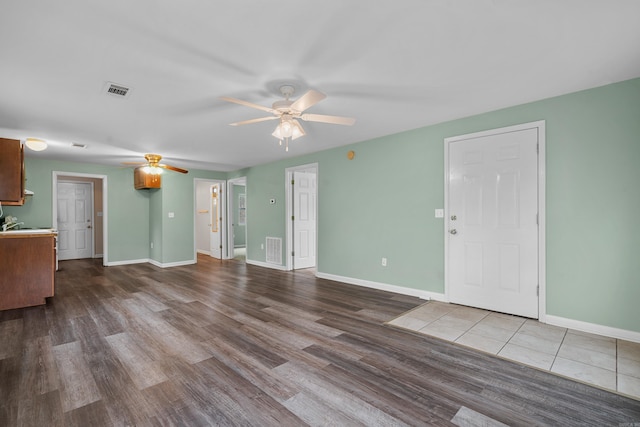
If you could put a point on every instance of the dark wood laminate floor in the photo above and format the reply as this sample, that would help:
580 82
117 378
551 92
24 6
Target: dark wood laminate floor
222 343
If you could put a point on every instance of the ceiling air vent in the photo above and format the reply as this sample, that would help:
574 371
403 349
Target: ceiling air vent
117 90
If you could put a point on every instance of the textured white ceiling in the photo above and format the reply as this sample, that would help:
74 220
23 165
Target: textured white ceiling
392 65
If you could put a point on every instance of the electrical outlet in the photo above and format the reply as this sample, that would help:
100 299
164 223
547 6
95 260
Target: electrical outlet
151 245
262 246
384 262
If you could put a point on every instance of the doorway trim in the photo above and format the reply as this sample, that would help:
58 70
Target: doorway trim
289 211
105 209
540 126
223 214
242 180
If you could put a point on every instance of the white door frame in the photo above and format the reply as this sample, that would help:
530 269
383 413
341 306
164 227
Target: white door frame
288 247
230 207
105 210
540 126
223 214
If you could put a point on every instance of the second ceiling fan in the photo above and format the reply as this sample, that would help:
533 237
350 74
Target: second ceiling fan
288 112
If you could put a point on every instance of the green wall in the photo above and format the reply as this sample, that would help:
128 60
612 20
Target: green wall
135 217
381 204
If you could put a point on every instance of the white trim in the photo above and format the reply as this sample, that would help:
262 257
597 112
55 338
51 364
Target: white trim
542 266
289 209
266 265
223 212
151 261
384 287
171 264
593 328
127 262
105 207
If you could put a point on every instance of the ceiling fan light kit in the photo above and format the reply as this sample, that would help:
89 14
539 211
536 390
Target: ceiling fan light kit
288 112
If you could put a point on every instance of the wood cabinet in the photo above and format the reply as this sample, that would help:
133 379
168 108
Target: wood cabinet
27 263
142 180
11 172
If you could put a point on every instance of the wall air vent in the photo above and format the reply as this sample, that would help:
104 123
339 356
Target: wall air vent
75 145
117 90
274 250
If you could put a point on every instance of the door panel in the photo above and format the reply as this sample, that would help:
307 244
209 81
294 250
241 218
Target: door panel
75 213
215 230
304 224
493 207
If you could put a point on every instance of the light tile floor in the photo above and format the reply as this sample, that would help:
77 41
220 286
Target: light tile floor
601 361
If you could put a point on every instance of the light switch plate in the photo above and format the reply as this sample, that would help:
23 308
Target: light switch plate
171 214
439 213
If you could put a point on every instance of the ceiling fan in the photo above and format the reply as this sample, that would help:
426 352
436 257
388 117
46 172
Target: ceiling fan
153 165
288 111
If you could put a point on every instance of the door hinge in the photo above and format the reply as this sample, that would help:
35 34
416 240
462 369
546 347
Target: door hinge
293 182
538 148
537 219
538 290
293 253
293 218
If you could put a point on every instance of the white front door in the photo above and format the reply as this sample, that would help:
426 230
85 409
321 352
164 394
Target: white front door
492 222
215 218
304 219
75 213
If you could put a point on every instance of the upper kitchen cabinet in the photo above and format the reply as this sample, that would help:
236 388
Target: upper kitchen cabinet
11 172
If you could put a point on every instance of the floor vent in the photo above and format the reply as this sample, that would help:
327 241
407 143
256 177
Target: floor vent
274 250
117 90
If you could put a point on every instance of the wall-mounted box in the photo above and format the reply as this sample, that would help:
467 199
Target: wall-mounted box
142 180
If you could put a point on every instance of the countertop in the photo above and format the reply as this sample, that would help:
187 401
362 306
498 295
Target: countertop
26 233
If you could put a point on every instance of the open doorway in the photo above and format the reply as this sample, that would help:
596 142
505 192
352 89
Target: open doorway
302 208
209 223
79 212
237 214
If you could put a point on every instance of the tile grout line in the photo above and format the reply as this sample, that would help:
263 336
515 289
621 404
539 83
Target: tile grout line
555 357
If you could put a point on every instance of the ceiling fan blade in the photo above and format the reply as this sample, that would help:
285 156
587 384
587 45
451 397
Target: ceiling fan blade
247 122
173 168
336 120
247 104
309 99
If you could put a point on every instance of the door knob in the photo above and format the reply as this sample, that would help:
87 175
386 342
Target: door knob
453 231
88 226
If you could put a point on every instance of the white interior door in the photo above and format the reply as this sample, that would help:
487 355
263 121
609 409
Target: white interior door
304 219
215 218
492 222
75 213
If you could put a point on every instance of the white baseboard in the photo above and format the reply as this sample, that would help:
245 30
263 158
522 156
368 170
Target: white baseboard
127 262
200 251
267 265
593 328
172 264
151 261
384 287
